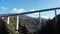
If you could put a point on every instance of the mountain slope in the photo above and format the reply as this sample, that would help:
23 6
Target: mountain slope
31 23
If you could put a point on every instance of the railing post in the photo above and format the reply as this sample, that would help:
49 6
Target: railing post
8 19
17 25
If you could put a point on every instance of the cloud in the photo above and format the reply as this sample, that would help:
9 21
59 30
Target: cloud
4 8
36 13
21 10
37 16
41 17
15 10
31 15
45 17
32 10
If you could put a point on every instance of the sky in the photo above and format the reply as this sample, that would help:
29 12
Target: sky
20 6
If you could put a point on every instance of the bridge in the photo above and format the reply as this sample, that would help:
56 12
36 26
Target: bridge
17 14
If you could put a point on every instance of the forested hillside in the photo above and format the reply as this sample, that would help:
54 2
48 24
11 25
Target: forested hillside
29 22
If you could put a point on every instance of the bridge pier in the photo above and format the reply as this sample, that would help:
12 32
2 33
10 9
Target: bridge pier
17 24
40 19
8 19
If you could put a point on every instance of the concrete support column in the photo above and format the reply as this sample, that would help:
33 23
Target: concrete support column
17 24
8 19
40 19
56 20
56 16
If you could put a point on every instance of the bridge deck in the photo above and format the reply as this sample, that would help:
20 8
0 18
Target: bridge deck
5 15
